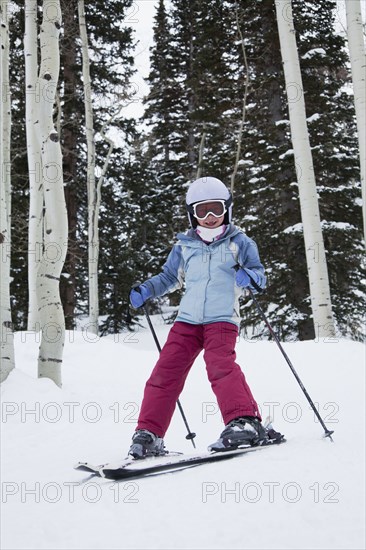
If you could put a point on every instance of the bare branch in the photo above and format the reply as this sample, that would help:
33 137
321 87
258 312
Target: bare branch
246 88
200 153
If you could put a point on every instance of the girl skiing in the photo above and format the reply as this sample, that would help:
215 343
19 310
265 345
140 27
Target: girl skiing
208 319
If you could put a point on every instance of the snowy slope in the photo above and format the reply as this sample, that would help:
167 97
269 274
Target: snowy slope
306 494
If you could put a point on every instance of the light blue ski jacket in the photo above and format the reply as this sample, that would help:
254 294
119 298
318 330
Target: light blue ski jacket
211 293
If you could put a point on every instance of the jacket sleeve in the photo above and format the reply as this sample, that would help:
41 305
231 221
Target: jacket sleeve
248 257
172 276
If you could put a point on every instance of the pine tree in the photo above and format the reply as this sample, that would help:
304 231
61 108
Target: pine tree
20 185
191 86
163 98
266 200
73 160
333 134
269 206
207 71
126 256
111 44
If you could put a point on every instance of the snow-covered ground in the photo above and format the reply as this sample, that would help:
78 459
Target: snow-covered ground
306 494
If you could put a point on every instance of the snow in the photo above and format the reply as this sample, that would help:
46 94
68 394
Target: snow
243 162
313 117
343 226
284 121
358 201
308 493
297 228
314 51
288 153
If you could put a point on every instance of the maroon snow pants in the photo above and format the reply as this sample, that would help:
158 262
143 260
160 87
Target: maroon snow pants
184 343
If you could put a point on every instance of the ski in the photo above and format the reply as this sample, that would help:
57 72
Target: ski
96 469
154 466
89 468
172 461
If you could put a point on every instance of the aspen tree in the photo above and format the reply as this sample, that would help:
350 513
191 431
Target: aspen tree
6 333
358 65
55 216
32 99
314 245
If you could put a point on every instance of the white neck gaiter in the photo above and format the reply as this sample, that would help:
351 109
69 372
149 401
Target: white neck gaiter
209 234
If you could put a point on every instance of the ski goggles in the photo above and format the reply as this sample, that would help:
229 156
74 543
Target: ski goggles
203 209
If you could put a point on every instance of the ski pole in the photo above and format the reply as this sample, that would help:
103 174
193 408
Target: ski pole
327 433
190 435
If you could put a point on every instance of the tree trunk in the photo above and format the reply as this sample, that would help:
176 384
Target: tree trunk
244 108
192 157
287 208
32 97
314 245
93 199
201 153
55 234
7 362
358 64
70 151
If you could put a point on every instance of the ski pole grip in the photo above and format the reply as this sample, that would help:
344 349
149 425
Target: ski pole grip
136 286
253 283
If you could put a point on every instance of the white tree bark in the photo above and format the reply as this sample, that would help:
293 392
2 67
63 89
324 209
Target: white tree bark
93 198
200 153
314 244
7 362
244 108
94 187
358 65
55 216
32 99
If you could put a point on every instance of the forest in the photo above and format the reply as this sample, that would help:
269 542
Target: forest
266 96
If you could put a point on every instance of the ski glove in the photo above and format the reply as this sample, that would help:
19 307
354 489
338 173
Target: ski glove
243 279
139 295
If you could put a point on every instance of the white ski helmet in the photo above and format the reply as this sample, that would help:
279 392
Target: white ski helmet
205 189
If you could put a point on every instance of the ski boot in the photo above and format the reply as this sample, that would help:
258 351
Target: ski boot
145 444
245 431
